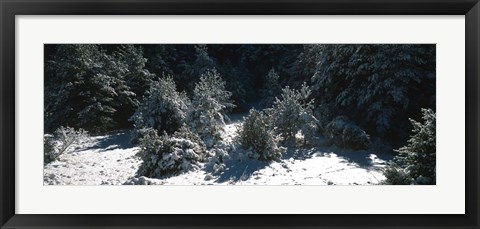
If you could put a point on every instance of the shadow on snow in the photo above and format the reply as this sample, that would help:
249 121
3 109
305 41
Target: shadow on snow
362 158
236 170
119 140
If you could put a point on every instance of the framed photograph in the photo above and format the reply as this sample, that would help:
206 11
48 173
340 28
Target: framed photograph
195 114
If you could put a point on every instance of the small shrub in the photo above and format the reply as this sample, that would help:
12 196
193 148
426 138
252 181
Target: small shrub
256 135
217 158
63 140
344 133
170 155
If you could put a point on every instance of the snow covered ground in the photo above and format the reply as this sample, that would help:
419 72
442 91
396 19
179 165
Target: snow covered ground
111 160
105 160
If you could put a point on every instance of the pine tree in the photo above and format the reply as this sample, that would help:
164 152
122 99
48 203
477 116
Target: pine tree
163 108
103 94
137 77
383 85
293 112
83 89
162 59
239 83
305 64
271 88
209 104
65 74
256 134
202 63
260 58
416 160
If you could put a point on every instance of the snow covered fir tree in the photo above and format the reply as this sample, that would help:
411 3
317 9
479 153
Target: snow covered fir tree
239 114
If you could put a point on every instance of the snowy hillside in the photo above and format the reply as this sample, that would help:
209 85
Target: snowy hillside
112 160
314 114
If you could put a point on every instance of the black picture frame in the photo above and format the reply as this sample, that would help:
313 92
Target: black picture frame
10 8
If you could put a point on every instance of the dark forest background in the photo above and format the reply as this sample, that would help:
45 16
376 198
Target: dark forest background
377 86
